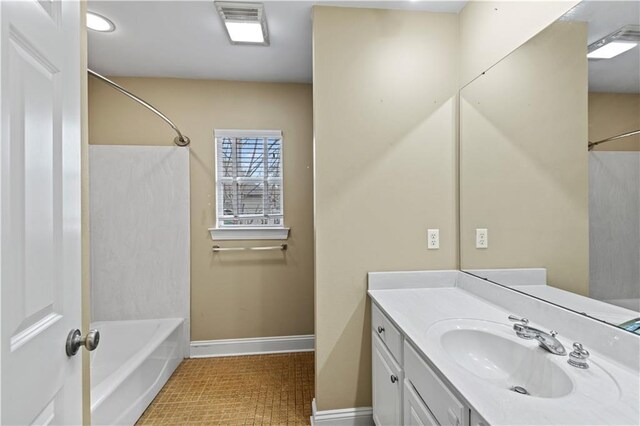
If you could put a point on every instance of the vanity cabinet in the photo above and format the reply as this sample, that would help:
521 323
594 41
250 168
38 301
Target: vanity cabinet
388 333
387 385
416 412
445 406
406 390
476 420
388 375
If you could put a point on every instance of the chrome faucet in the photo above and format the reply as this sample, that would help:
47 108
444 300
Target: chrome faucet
547 341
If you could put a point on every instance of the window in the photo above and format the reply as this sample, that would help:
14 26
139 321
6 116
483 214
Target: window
249 179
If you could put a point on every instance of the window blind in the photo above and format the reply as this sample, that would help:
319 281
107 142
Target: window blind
249 179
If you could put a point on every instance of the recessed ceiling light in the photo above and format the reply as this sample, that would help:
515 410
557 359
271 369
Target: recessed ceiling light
245 32
612 49
626 38
246 23
99 23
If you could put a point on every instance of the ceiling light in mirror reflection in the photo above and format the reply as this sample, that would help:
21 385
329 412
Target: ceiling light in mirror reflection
611 50
99 23
245 32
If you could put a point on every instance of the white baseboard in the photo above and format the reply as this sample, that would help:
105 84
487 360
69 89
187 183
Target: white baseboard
252 346
360 416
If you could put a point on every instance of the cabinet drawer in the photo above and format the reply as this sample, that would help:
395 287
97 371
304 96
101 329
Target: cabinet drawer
387 385
415 412
444 405
387 332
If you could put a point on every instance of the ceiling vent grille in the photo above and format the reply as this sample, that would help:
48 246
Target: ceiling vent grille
627 33
236 12
240 11
630 33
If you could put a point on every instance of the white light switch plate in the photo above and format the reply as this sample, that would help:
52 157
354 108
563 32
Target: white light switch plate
433 239
482 238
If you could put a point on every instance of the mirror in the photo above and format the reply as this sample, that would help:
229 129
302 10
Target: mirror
539 211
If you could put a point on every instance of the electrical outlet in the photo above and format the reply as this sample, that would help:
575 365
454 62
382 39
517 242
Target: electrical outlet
482 238
433 239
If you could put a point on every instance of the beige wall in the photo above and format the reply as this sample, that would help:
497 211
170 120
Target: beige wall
524 168
490 30
611 114
233 295
384 121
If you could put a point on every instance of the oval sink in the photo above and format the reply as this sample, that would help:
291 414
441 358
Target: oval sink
487 357
505 362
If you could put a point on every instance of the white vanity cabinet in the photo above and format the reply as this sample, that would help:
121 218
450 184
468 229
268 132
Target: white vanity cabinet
428 326
388 375
416 412
406 390
387 386
442 403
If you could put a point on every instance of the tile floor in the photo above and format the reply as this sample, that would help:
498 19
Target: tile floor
244 390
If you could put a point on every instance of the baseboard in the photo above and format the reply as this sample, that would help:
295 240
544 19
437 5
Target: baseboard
360 416
252 346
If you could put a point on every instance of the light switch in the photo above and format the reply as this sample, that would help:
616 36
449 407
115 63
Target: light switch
482 238
433 239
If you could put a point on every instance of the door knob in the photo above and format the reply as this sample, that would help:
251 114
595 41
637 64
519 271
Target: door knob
75 340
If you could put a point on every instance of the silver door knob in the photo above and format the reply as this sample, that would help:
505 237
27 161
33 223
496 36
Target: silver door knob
75 340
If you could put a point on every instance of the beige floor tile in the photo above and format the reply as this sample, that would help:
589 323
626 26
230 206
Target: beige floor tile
245 390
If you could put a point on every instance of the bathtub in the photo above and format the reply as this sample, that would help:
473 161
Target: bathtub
130 366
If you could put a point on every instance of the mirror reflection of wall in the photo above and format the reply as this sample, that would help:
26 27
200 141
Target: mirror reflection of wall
562 212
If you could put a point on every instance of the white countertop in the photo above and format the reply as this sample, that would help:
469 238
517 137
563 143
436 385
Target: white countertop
414 310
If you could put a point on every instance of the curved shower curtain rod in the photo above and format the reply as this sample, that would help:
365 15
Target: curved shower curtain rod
613 138
180 140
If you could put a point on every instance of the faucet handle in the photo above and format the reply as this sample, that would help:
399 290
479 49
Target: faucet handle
578 358
580 351
516 319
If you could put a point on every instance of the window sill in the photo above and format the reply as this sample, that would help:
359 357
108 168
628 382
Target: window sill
227 234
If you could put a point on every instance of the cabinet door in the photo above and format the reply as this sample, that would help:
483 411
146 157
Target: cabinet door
387 386
416 412
445 406
476 420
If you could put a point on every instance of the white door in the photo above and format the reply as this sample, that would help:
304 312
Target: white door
39 211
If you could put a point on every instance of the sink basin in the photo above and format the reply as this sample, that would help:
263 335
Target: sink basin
487 353
491 352
504 365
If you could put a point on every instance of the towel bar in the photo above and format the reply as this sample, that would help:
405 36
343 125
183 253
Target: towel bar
217 249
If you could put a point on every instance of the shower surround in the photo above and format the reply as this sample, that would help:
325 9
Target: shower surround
140 272
614 227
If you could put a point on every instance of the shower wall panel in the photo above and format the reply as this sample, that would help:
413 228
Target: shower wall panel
139 214
614 225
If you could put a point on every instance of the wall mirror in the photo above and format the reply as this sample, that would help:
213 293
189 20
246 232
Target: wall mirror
541 211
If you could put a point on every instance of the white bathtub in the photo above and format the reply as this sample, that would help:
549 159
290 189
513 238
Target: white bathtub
131 364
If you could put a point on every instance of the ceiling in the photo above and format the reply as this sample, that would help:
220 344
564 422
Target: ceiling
620 74
186 39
